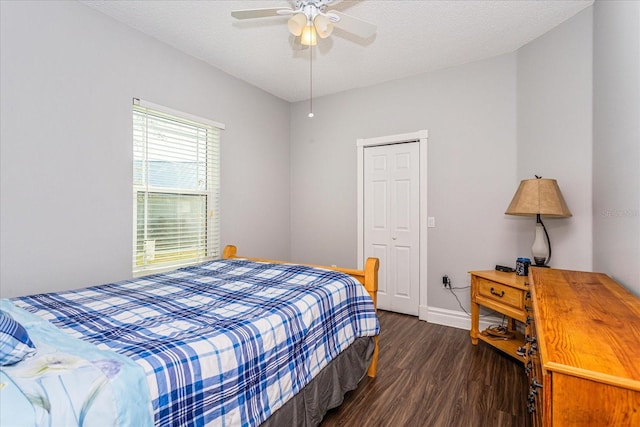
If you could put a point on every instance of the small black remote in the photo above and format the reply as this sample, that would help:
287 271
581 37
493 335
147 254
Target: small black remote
504 269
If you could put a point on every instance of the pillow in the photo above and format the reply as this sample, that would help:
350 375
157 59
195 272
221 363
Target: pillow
15 343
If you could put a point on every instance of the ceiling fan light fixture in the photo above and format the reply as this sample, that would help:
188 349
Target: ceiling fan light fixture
308 36
297 23
323 26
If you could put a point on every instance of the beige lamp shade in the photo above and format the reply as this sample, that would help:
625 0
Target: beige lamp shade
308 36
539 196
323 26
297 23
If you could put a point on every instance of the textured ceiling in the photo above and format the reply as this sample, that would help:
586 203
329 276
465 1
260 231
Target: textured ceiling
413 37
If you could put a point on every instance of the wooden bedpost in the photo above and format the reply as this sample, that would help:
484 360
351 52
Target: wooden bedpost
229 252
371 278
371 285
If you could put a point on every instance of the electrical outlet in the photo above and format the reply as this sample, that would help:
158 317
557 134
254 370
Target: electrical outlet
446 282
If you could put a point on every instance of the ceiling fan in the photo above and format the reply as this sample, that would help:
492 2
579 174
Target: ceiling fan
310 18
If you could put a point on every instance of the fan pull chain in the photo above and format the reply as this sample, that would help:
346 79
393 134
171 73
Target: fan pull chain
310 81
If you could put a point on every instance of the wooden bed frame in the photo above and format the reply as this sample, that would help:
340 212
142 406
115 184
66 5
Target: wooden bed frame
368 277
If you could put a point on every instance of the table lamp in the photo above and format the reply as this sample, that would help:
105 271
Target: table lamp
539 197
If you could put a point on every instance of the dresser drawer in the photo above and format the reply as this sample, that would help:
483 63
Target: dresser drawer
501 293
533 369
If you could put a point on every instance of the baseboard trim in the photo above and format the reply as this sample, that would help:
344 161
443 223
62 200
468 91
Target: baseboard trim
454 318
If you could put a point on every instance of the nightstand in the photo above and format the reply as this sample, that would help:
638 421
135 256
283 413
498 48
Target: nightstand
504 293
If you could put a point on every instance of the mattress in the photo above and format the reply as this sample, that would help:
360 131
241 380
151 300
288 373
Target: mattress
228 342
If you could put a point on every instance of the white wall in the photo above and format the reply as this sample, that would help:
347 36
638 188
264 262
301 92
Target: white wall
491 124
555 135
616 141
67 79
469 112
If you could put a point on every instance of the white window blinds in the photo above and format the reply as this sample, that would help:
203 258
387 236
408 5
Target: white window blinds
175 188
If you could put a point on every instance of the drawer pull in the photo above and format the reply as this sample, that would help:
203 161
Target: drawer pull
496 293
535 383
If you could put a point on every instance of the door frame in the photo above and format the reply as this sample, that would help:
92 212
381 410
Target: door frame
420 137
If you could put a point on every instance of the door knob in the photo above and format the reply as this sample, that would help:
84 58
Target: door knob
394 238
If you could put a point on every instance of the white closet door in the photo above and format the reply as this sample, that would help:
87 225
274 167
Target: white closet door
392 222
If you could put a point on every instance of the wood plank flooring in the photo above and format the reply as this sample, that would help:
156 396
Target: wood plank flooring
431 375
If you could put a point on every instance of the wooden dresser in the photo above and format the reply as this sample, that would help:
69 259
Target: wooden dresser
503 293
583 350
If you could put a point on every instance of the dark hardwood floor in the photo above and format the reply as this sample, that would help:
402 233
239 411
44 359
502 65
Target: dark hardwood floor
431 375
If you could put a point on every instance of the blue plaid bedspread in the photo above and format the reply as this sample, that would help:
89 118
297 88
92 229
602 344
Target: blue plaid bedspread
224 343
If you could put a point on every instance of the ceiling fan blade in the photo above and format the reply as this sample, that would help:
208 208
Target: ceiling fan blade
353 25
261 13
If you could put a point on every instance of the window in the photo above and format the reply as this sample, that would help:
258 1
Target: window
176 189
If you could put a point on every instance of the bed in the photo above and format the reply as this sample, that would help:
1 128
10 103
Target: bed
231 342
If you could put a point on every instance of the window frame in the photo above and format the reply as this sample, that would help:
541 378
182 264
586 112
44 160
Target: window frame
212 208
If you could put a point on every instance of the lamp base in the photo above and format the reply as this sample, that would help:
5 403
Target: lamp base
539 261
540 249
